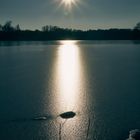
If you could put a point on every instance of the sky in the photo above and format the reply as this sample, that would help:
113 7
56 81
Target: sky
83 14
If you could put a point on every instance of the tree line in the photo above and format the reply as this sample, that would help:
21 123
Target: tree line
7 27
48 32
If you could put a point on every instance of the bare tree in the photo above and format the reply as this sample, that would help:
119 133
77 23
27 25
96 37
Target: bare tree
48 28
45 28
7 27
17 28
0 27
137 27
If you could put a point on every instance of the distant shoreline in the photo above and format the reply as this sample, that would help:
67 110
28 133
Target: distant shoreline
67 34
49 32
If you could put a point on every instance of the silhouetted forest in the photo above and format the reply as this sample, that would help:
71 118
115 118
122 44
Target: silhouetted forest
10 33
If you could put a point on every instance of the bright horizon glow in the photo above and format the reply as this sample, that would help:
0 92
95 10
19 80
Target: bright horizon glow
70 43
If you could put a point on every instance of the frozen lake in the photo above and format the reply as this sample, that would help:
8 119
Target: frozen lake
98 80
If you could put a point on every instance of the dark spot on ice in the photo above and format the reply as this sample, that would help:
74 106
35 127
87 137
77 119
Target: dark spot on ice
40 118
43 118
67 115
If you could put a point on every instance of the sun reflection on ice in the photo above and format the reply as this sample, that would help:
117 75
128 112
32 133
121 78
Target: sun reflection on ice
68 91
68 71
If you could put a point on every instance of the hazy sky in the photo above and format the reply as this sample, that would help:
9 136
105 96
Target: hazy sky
85 14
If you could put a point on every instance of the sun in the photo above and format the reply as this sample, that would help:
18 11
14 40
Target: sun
69 3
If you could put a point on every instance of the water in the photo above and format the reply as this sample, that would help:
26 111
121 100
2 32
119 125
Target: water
99 80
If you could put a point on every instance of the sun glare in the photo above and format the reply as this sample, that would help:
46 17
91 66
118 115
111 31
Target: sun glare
69 3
